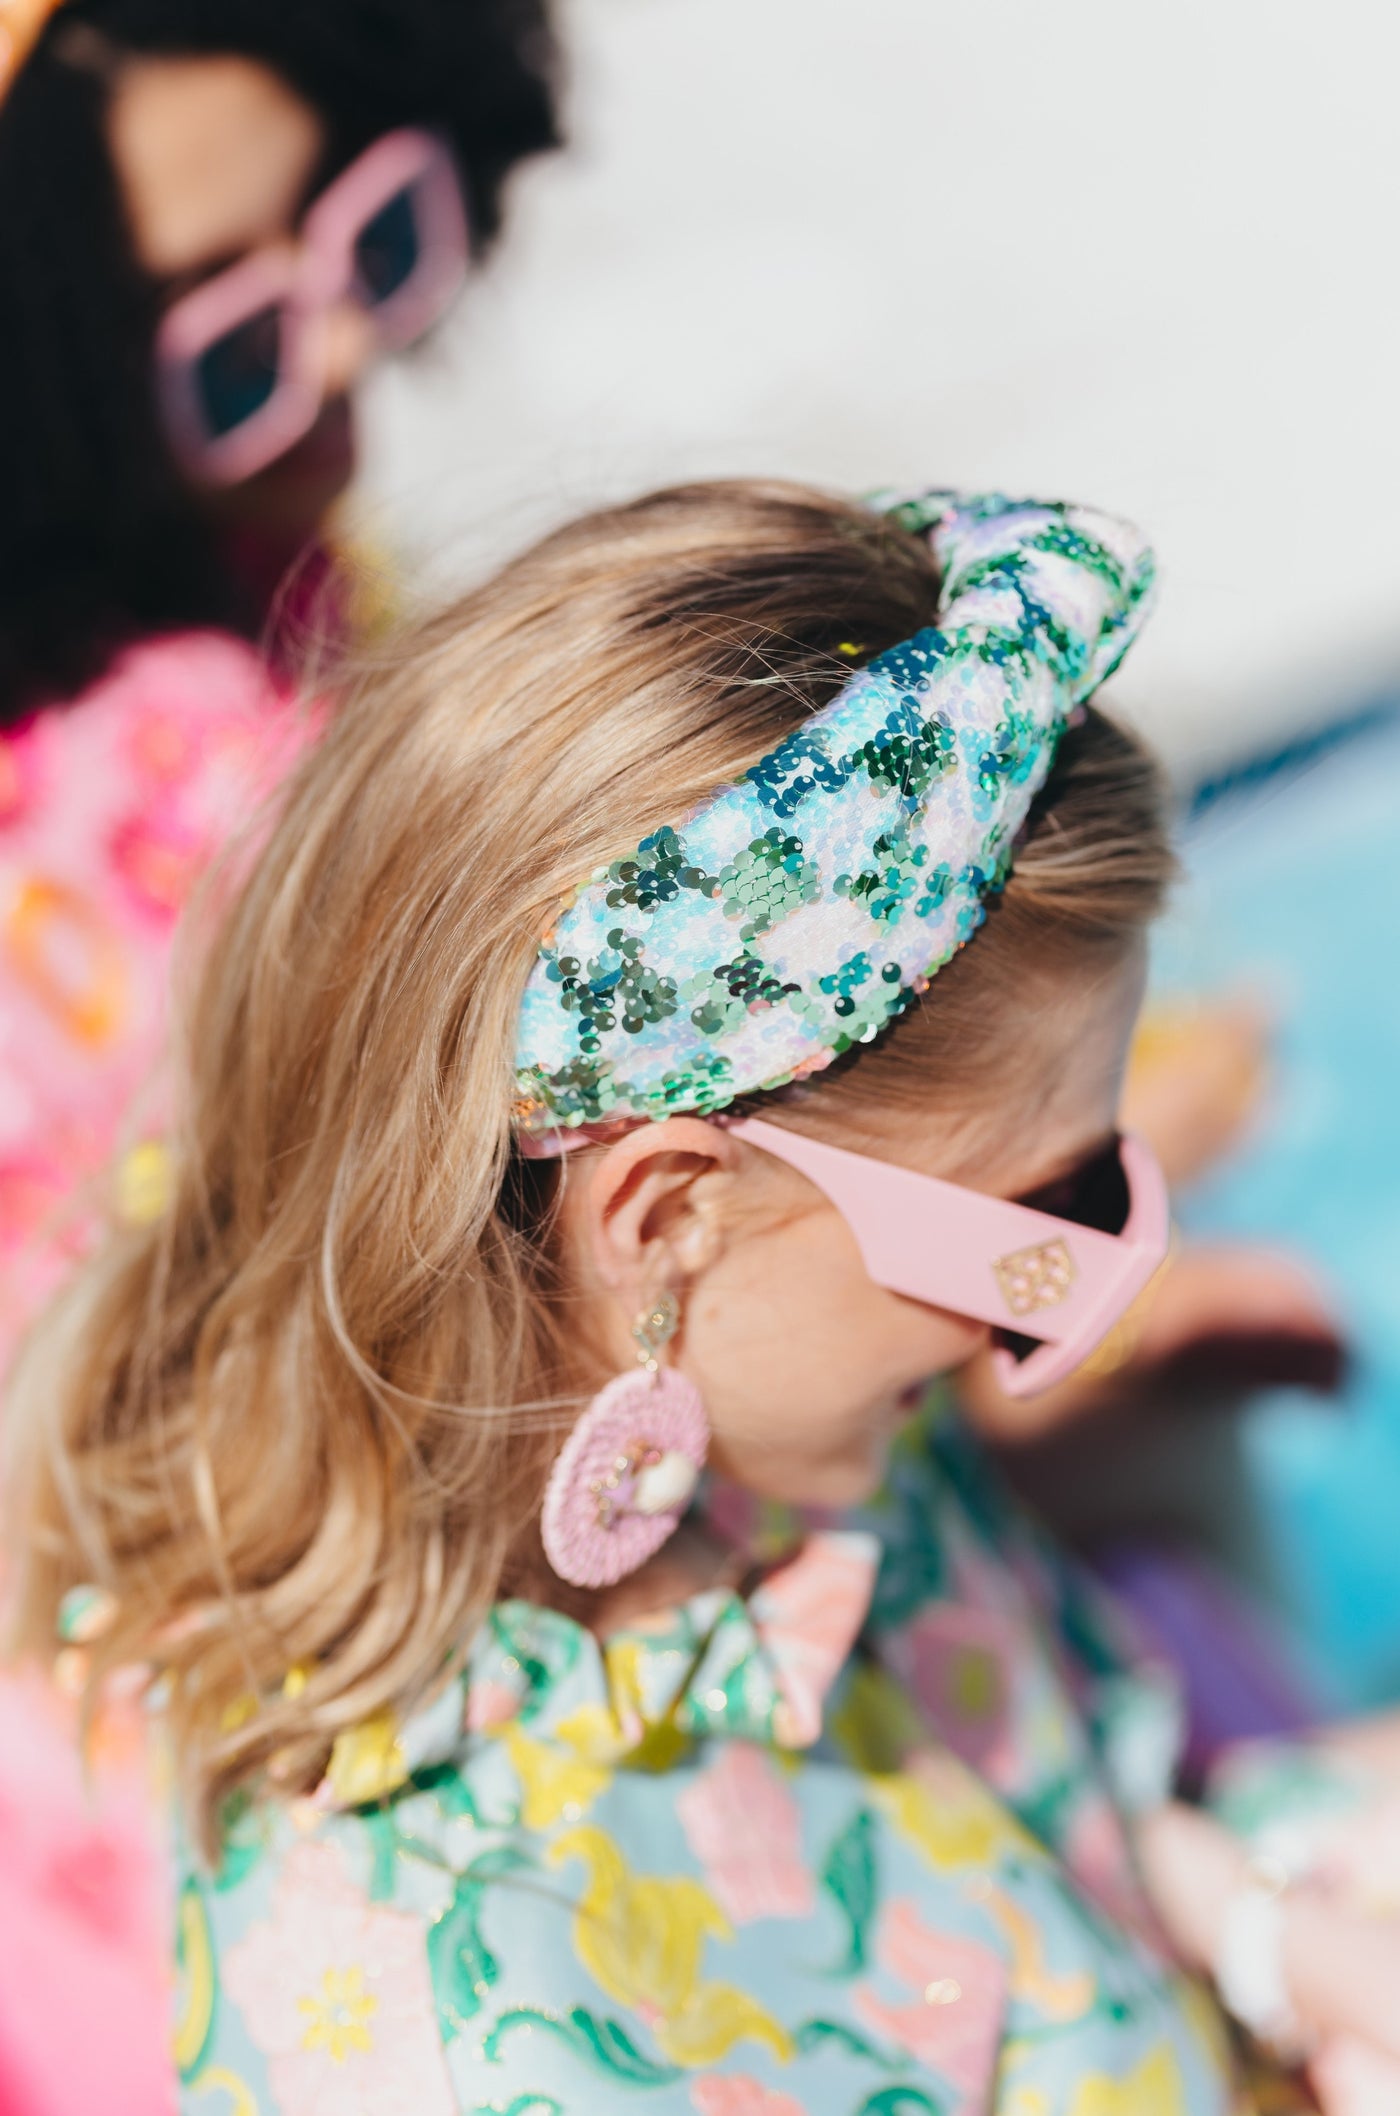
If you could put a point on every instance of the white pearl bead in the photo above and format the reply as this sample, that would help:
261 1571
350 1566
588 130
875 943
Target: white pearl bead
667 1486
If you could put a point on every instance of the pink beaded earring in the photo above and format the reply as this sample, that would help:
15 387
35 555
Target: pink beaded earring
630 1467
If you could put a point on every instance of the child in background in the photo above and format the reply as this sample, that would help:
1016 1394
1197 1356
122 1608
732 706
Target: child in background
214 215
705 957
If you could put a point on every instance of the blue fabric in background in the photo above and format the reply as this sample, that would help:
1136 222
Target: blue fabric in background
1293 886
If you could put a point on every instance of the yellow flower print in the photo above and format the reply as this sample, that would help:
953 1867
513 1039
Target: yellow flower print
714 2018
1154 2089
562 1775
606 1733
642 1938
336 1992
338 2014
1056 1998
556 1784
367 1762
195 2003
942 1809
595 1735
217 2080
931 1798
876 1725
1206 2022
624 1659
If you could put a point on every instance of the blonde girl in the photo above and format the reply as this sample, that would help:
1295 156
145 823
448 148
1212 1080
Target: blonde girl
591 1082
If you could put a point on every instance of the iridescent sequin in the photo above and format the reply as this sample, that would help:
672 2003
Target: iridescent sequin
798 912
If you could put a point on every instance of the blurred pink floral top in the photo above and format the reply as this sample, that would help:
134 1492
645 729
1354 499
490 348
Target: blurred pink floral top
110 809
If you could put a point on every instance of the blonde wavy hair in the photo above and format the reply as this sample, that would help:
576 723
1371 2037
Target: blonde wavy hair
304 1420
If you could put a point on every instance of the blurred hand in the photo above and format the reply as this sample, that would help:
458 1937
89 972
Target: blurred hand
1354 2078
1342 1968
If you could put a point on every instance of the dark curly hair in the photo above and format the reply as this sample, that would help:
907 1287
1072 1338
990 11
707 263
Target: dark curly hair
100 539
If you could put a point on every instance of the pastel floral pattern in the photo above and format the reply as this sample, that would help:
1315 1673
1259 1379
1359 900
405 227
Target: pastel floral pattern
811 1610
727 1864
1153 2088
744 1826
737 2096
960 1666
951 2015
336 1993
642 1937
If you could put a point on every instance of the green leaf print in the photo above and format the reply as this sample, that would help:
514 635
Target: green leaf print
243 1840
538 1643
495 1864
604 2043
450 1791
463 1966
819 2034
1048 1813
849 1878
523 2105
901 2101
379 1827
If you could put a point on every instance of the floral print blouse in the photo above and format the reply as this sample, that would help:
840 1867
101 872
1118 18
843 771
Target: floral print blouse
850 1844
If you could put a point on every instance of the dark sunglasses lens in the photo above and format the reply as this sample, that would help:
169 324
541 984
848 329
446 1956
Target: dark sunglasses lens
237 374
1095 1195
389 249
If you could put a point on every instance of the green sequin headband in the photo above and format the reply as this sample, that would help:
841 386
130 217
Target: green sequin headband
798 912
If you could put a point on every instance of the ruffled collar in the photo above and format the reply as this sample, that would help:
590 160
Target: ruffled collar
756 1667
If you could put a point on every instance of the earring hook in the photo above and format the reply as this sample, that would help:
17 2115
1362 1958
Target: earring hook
654 1329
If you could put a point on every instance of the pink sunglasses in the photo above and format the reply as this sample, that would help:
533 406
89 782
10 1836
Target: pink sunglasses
241 361
1052 1287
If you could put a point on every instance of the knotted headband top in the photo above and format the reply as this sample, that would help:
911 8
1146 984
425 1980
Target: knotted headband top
799 911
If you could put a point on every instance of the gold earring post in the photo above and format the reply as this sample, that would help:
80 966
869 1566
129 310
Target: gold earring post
654 1329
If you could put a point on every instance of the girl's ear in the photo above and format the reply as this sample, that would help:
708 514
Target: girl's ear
654 1211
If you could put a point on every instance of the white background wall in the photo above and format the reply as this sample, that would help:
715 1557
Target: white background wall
1143 254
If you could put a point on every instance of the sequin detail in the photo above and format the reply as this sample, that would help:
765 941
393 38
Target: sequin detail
799 911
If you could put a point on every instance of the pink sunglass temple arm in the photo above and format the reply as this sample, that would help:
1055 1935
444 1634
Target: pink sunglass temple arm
940 1243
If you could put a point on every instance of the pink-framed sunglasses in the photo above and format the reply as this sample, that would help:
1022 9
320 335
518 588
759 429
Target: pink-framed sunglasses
240 362
1051 1275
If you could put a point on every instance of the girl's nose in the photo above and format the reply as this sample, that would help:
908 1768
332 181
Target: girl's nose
348 348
